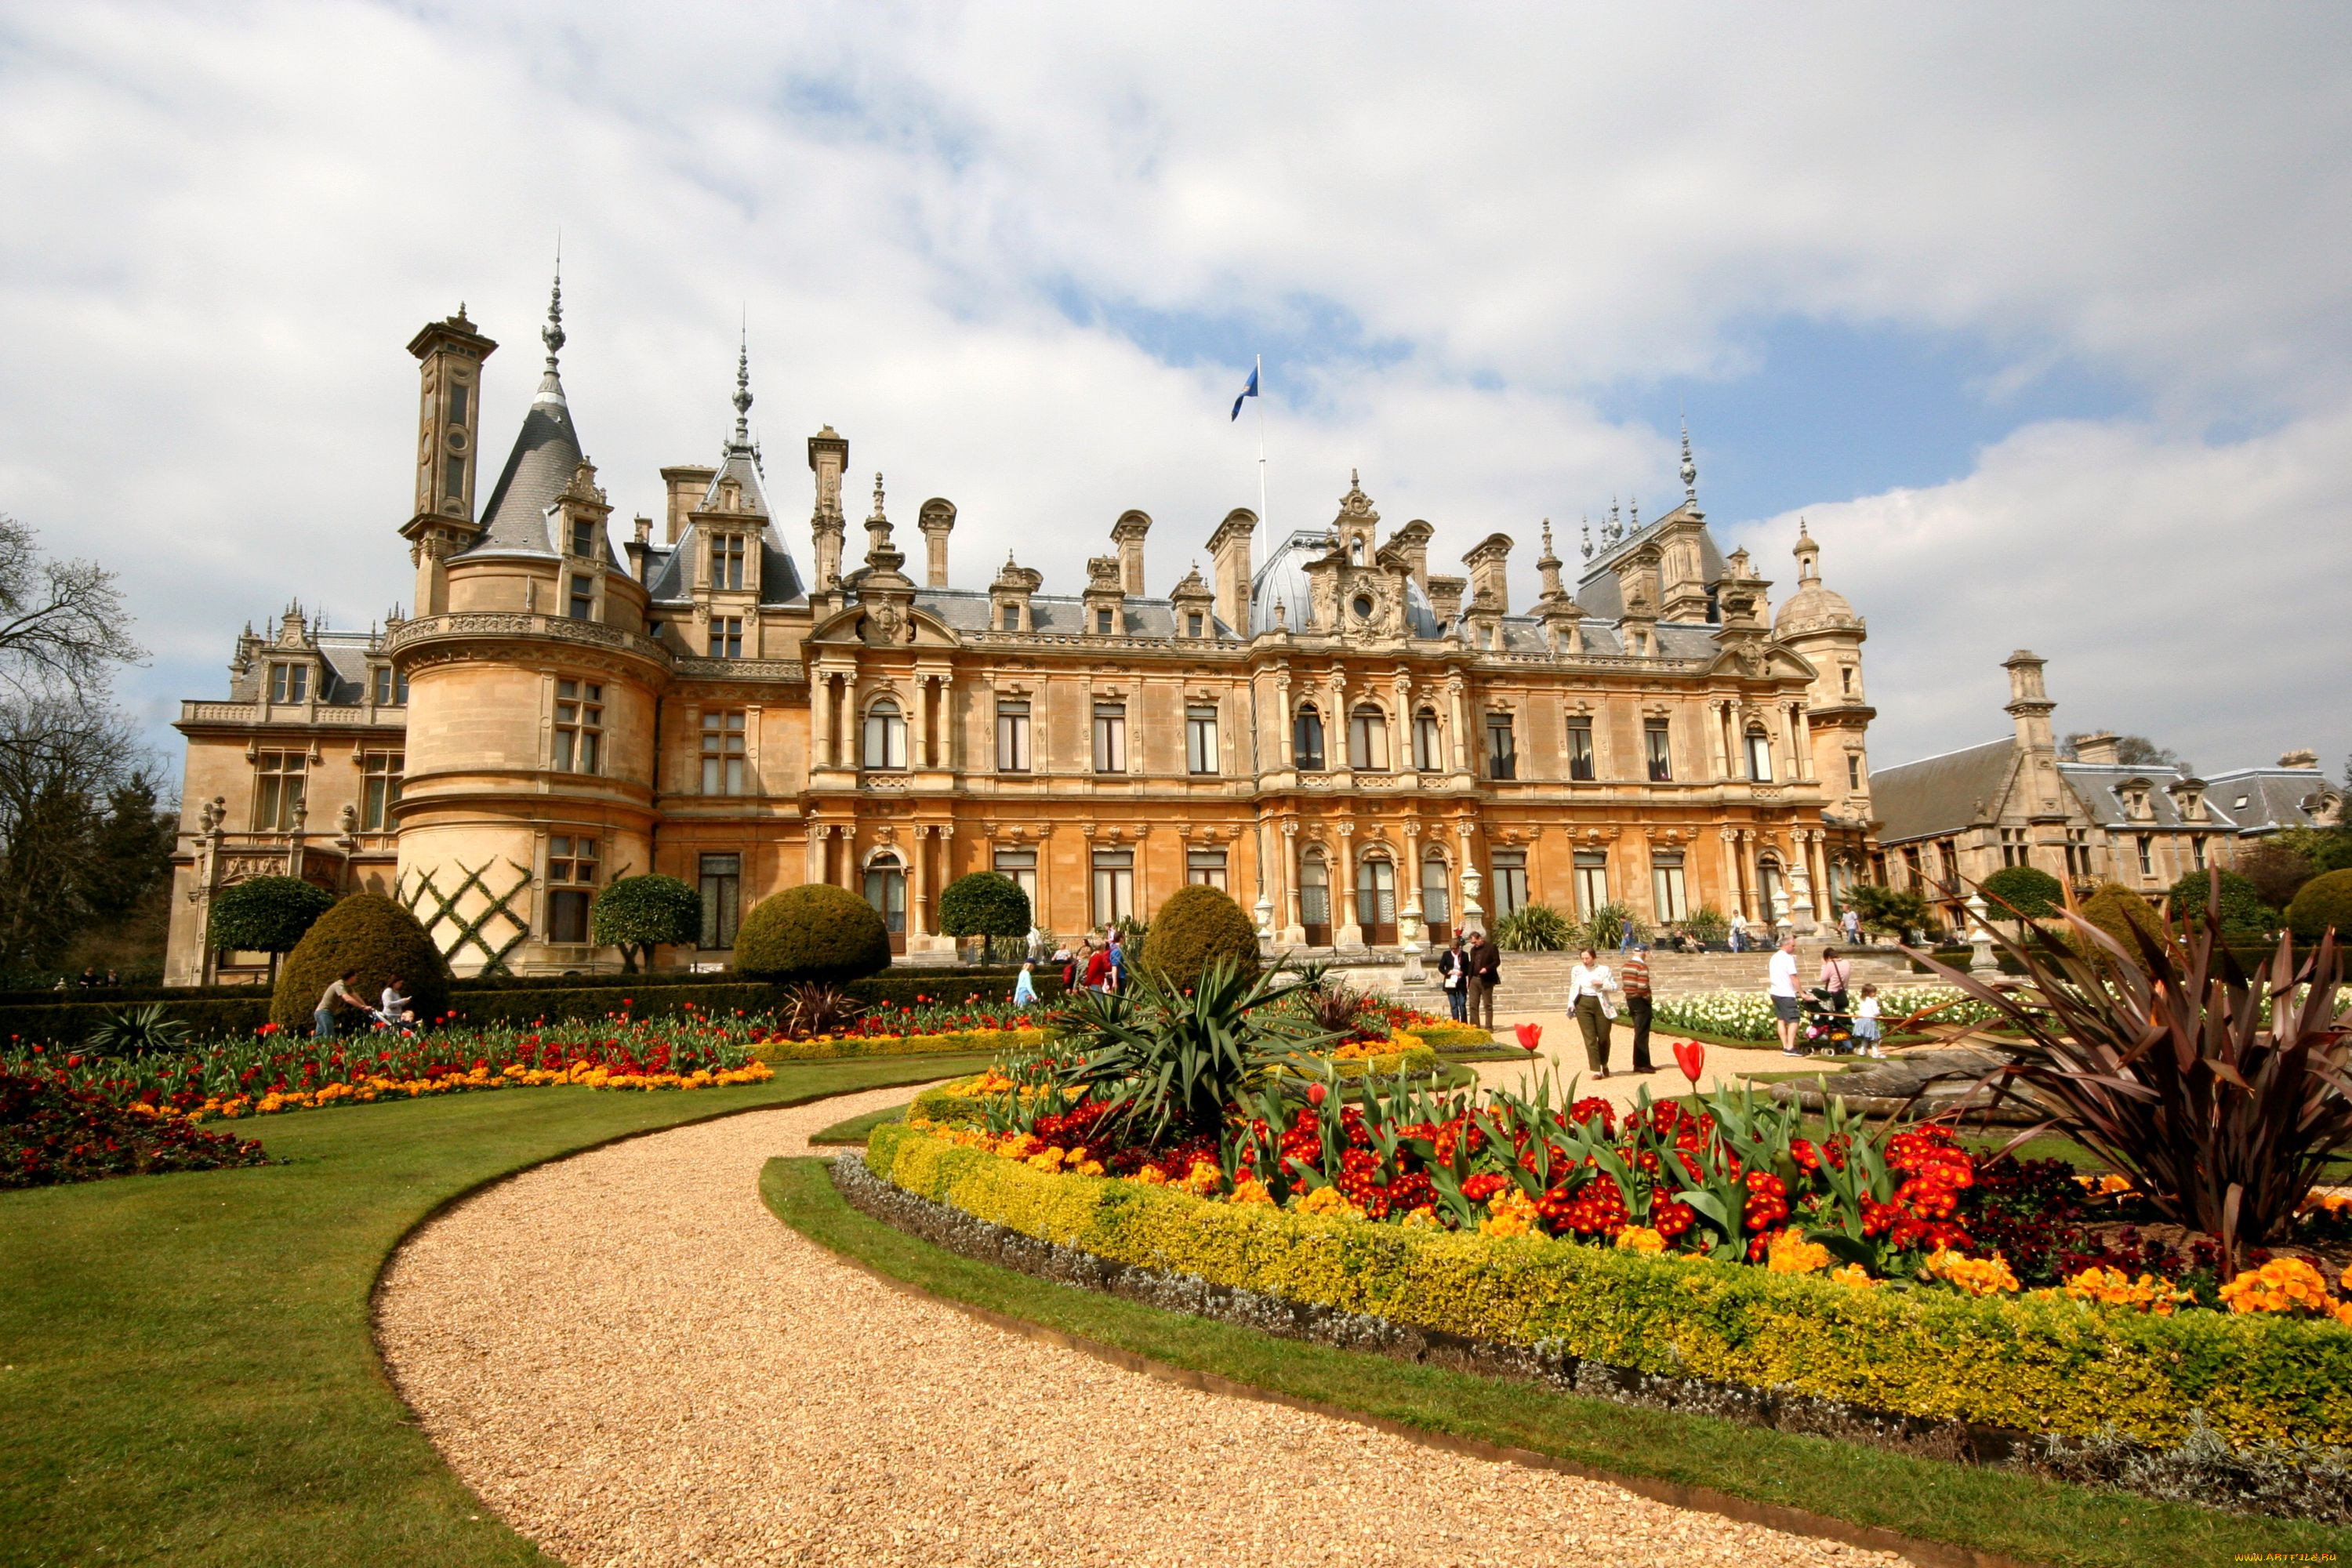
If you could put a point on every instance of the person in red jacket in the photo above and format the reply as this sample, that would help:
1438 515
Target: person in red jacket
1099 974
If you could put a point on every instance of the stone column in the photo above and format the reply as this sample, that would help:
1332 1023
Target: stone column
1286 751
1801 881
1458 700
820 719
919 881
1349 932
949 752
1293 932
919 744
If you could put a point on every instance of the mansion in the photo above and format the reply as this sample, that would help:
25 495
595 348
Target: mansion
1365 753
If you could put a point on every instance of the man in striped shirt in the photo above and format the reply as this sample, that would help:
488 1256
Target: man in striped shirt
1633 980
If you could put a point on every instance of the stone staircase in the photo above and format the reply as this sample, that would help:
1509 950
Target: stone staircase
1538 982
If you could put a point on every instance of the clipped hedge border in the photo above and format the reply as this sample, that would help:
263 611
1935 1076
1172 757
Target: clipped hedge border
959 1043
1452 1037
2030 1364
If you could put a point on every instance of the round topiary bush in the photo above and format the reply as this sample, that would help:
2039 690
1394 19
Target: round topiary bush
2024 892
984 904
2117 910
815 933
2324 903
638 914
374 935
1197 926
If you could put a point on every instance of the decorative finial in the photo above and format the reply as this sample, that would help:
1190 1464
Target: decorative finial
743 388
1633 514
1547 532
878 494
1353 482
1690 469
1587 546
552 334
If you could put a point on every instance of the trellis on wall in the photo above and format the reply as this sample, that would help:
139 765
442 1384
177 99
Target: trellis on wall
443 911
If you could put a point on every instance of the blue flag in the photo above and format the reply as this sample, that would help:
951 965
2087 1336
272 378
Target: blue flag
1247 392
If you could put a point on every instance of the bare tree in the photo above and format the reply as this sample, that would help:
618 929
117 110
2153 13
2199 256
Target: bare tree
62 763
60 621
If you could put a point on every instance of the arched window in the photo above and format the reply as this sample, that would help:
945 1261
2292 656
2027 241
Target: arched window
1376 899
885 736
1314 896
1356 552
1308 740
1759 754
1768 887
1367 739
885 890
1428 742
1436 896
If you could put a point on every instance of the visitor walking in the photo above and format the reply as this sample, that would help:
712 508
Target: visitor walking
1589 984
1036 945
1485 973
337 994
1101 977
1837 973
1452 975
1118 960
395 1009
1633 984
1851 923
1782 987
1024 989
1738 931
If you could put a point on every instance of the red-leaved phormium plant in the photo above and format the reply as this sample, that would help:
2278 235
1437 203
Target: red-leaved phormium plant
2162 1063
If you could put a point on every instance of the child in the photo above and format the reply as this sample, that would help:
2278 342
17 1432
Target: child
1865 1024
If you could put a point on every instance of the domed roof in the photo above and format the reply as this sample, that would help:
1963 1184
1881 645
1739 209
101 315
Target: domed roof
1813 605
1283 581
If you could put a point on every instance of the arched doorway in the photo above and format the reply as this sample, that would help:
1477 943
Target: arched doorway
885 890
1315 898
1376 904
1770 891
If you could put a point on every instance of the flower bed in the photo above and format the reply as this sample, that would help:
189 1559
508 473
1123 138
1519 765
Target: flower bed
51 1131
274 1071
2050 1361
829 1048
1740 1016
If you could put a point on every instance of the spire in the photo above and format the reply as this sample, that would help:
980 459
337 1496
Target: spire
1633 514
1690 469
743 388
550 385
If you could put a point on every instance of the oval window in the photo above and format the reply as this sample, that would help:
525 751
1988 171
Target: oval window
1364 607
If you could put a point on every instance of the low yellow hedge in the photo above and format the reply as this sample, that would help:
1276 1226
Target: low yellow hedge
1416 1058
832 1046
1454 1037
2030 1363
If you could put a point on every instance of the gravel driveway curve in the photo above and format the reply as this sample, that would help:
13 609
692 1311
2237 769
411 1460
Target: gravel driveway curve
633 1361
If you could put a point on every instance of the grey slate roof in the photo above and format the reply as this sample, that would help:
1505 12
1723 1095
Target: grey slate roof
2274 798
2098 785
1937 795
546 455
671 569
1596 590
1283 581
966 610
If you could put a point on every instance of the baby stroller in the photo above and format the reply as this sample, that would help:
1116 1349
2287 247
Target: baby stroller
1826 1030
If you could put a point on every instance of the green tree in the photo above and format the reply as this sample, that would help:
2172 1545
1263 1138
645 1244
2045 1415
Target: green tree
1897 911
638 914
2277 871
2246 915
985 904
2323 905
2024 892
267 914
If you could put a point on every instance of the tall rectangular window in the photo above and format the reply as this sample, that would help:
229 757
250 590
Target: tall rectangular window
2146 856
1581 765
582 604
391 688
278 783
1367 739
1012 737
1658 746
1113 885
1428 744
727 560
289 683
379 790
1103 622
570 874
1592 881
1200 740
722 754
1912 868
457 390
1502 751
1306 739
1194 624
579 726
1759 756
727 637
1853 771
1510 880
1011 619
1110 737
1667 896
1205 869
722 899
583 537
453 479
2078 852
1021 865
2197 851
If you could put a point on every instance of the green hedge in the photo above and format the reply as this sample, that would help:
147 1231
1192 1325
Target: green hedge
2031 1364
958 1043
1452 1037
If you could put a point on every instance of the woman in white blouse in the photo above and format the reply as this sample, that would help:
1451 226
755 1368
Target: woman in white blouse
1589 987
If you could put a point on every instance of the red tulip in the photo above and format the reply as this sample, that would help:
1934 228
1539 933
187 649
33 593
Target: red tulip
1530 1035
1317 1094
1691 1057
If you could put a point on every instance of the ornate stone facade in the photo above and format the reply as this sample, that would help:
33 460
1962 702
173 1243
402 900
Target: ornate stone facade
1364 754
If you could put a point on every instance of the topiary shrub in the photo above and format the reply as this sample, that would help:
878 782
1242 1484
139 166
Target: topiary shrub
987 904
1534 928
374 935
2117 910
815 933
1197 926
2246 916
638 914
2024 892
266 914
2324 903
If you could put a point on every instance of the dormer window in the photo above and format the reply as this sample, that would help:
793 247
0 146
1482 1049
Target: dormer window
583 537
391 688
1356 552
582 604
1194 624
1011 618
727 560
289 683
1103 623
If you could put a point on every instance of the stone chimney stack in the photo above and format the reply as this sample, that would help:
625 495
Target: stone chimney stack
1412 542
1489 562
2299 759
1127 534
828 454
2029 702
686 486
2098 750
1229 557
937 521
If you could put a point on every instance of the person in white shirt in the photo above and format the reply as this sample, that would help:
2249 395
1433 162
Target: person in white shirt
1851 923
1739 931
1588 985
395 1011
1866 1036
1786 1012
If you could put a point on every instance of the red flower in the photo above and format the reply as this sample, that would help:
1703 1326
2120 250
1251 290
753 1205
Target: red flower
1691 1057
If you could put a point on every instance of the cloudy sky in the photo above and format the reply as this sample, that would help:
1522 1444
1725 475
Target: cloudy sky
2037 313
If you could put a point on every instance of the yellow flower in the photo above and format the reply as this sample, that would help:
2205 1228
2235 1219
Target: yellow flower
2114 1288
1640 1238
1250 1190
1329 1200
1790 1253
1150 1176
1203 1179
1855 1275
1972 1275
1510 1213
2281 1285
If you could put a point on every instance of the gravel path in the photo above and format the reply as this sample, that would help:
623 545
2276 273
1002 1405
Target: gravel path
633 1361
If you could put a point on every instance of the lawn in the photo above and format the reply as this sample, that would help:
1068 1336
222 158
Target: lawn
187 1374
1985 1509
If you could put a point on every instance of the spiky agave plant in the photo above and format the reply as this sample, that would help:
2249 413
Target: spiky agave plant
2158 1059
136 1032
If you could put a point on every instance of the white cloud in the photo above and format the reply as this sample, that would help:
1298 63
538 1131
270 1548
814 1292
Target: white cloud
222 225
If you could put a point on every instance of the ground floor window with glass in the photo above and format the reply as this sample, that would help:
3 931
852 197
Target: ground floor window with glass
722 899
1020 867
885 890
571 875
1315 898
1205 869
1437 899
1376 903
1591 882
1510 881
1668 896
1114 885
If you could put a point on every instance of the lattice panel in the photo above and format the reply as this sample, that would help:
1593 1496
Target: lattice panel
476 931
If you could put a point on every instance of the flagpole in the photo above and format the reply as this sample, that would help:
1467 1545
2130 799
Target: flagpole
1257 377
